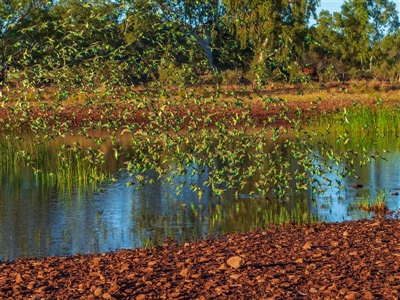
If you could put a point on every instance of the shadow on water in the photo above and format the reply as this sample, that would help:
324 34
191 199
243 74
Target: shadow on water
140 210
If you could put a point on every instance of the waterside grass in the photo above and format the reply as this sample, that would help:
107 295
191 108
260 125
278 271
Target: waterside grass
64 167
376 203
363 119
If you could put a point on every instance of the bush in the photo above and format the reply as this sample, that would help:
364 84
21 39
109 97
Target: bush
231 76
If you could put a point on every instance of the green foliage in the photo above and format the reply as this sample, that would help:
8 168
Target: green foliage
234 77
351 41
75 43
273 30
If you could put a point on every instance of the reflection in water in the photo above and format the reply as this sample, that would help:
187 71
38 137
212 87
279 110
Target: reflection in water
37 220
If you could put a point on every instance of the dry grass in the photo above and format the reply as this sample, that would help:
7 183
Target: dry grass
360 91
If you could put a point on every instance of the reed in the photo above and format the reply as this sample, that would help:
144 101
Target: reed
64 168
376 203
380 120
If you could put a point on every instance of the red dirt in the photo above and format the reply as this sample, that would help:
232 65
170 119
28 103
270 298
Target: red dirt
351 260
77 117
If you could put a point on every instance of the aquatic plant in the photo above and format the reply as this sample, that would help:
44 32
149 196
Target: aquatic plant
376 203
64 167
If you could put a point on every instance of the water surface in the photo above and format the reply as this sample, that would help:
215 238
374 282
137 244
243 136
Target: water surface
38 220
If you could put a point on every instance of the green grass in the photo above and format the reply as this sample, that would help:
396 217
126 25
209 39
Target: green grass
64 167
363 120
376 204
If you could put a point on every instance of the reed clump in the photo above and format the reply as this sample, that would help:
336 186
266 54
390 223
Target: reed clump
376 204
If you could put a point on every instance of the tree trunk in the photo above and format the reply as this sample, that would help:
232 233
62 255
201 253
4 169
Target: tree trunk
261 55
205 43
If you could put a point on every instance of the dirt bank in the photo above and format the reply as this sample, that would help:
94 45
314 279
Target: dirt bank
292 101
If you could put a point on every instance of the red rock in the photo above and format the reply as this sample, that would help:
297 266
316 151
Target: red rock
235 262
97 292
186 272
307 246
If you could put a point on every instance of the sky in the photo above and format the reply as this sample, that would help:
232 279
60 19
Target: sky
334 5
331 5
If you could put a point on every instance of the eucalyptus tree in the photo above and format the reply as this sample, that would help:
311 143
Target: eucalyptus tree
276 31
387 54
361 24
324 52
197 21
146 39
21 22
85 41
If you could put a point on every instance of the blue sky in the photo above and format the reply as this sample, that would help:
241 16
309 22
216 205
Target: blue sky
331 5
334 5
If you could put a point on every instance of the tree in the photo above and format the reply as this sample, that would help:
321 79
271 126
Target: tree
274 30
361 24
197 20
20 21
324 51
387 53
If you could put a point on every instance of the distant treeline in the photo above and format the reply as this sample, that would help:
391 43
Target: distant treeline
97 42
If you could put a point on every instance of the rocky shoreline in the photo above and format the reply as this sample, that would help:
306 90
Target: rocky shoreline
350 260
